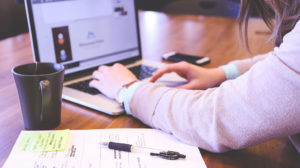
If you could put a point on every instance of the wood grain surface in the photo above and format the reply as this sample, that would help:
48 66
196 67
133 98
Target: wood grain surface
215 37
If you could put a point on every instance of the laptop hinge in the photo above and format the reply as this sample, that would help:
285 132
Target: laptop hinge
128 61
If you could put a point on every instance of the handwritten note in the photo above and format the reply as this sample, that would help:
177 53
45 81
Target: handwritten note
44 141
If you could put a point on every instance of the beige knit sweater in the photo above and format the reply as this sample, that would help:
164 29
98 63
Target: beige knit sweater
263 103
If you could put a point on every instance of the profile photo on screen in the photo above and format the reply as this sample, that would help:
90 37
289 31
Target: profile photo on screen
62 44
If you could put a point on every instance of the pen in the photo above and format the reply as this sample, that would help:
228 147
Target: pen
169 155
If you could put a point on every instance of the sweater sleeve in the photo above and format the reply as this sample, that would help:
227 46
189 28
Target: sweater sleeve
238 67
245 64
260 105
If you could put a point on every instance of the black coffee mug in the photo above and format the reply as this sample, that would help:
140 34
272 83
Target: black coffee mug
39 87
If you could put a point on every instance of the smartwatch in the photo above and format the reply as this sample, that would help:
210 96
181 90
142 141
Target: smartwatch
122 92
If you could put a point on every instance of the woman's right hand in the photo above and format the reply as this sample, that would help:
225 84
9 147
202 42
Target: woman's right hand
197 77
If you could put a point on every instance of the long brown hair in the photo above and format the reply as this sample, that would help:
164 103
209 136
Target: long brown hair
279 15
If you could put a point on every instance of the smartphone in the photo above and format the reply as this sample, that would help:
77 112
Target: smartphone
177 57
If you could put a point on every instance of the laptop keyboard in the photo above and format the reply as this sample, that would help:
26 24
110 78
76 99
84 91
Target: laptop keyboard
141 72
84 87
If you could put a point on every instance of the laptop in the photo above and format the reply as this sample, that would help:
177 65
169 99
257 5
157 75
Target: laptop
84 34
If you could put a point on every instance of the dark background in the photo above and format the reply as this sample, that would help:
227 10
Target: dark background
13 17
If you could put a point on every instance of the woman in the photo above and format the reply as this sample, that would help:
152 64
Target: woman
256 100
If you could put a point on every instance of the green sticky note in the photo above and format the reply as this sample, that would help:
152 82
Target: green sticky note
51 141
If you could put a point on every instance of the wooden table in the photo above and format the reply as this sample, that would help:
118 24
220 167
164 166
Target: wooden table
214 37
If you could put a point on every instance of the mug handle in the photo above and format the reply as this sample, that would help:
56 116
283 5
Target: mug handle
45 96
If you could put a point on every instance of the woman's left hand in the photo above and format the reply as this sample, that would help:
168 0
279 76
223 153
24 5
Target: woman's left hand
109 79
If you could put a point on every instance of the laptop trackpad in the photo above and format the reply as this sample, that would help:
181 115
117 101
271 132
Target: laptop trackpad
171 80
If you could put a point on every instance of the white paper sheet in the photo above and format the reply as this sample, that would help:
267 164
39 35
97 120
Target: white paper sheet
85 150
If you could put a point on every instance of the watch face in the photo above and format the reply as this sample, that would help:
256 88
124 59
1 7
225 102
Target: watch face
121 95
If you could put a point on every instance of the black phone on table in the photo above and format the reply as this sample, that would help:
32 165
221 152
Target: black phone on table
177 57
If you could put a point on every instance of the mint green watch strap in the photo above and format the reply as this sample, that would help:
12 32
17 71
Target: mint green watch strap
231 71
128 95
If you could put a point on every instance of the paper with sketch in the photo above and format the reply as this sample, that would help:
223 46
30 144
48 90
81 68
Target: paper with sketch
84 149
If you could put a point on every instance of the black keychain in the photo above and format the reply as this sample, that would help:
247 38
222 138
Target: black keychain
169 155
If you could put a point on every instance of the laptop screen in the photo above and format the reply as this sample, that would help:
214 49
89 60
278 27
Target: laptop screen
82 34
